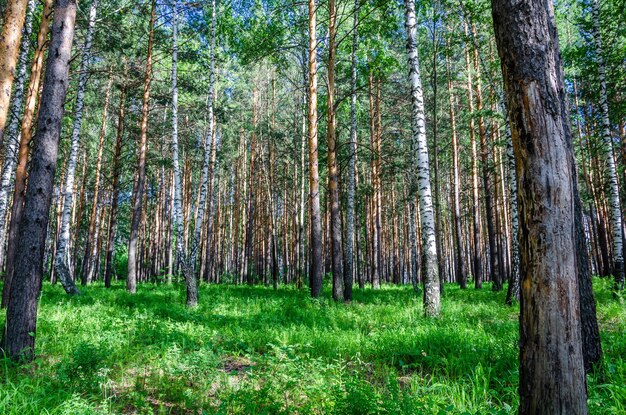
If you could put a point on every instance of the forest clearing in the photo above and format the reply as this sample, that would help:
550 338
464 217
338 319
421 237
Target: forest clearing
313 207
253 350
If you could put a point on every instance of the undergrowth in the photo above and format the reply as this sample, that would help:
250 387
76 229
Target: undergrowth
253 350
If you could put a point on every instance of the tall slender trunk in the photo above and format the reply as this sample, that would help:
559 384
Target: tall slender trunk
607 147
333 173
179 224
12 136
62 258
350 237
552 377
17 206
94 217
477 265
496 278
138 191
315 244
513 290
430 271
461 275
14 16
115 192
21 320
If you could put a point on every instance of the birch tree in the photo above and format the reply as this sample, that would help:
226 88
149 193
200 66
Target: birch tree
609 158
420 147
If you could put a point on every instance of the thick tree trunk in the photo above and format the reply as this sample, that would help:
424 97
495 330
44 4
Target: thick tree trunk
138 191
62 261
21 320
315 244
429 263
17 206
552 376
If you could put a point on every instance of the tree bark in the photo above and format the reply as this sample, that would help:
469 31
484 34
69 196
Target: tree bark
552 377
315 245
12 135
607 148
115 192
138 191
350 231
62 258
333 174
17 206
14 16
429 263
21 320
94 217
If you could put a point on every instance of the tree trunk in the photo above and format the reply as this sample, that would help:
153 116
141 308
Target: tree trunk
14 16
512 293
116 171
94 217
552 377
21 320
350 231
420 147
477 264
62 259
315 244
607 147
461 275
12 137
17 206
131 279
333 173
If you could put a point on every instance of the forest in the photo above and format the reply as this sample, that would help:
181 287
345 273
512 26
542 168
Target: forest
313 207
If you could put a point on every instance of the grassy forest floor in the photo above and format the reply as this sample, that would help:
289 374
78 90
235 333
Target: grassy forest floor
252 350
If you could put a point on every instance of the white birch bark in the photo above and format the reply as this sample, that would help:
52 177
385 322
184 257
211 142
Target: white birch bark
12 134
62 260
611 170
178 192
427 216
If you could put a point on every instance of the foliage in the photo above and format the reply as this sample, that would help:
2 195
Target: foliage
252 350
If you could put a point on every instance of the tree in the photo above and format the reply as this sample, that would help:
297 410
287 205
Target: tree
23 153
350 225
607 148
333 179
14 16
430 268
21 321
138 191
62 263
315 244
552 377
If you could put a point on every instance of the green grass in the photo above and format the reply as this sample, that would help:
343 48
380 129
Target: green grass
252 350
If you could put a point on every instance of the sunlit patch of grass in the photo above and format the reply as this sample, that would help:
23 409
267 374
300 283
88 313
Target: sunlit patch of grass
251 350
